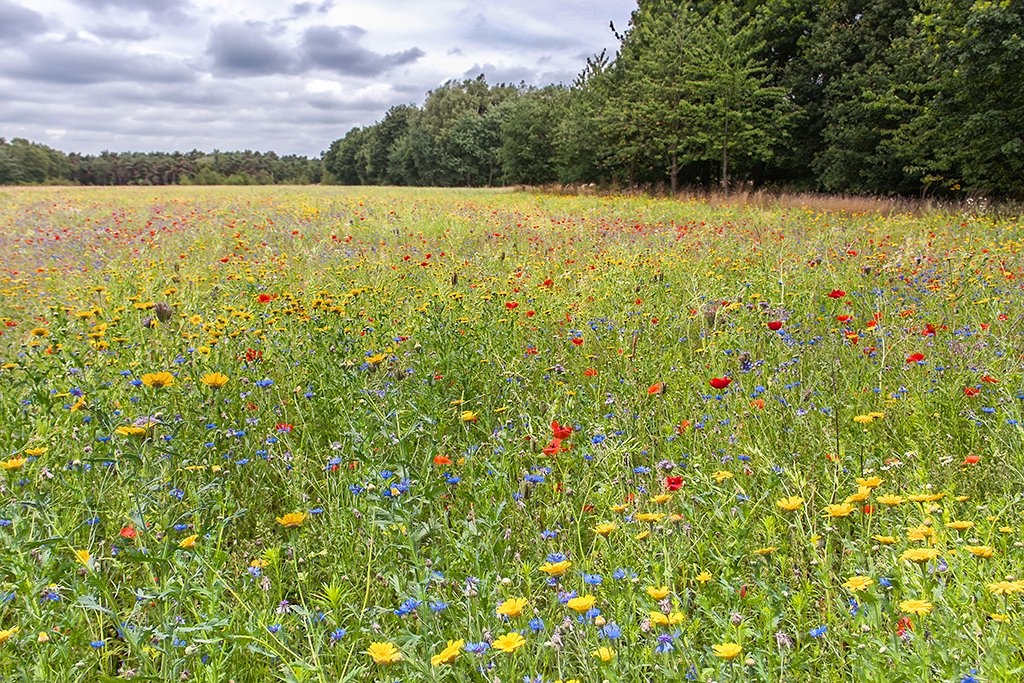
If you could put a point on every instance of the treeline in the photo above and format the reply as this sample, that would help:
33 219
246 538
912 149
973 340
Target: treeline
22 161
888 97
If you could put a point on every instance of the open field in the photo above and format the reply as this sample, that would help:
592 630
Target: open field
416 435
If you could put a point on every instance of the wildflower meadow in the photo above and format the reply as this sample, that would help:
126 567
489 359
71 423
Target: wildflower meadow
330 434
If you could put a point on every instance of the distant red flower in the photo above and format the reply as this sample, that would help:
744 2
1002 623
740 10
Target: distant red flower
836 294
578 341
531 313
284 427
720 382
590 372
253 355
531 350
128 532
928 331
868 509
988 379
915 358
511 305
971 460
547 283
673 483
971 391
553 448
904 625
442 460
658 388
844 318
265 298
683 426
560 431
775 325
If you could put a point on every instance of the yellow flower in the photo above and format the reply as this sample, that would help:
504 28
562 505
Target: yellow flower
863 419
960 525
839 510
384 653
727 650
510 642
6 634
703 577
292 519
131 431
35 452
468 416
13 464
870 482
1006 529
605 654
862 494
768 550
982 551
215 380
926 497
890 499
884 540
619 508
449 654
920 555
605 528
642 535
999 618
661 498
918 607
40 332
512 607
858 583
555 568
921 533
376 359
658 592
721 475
189 542
157 380
650 517
790 504
83 556
43 637
582 603
1005 587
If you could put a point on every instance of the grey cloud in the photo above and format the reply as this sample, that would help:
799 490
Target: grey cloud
75 62
511 75
482 31
18 23
176 11
337 49
128 33
247 50
301 9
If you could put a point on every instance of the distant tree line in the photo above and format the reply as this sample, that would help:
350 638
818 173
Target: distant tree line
22 161
909 97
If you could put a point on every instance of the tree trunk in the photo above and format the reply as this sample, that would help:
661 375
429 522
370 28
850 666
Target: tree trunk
725 155
674 174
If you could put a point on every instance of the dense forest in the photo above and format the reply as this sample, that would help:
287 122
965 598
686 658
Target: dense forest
889 97
22 161
908 97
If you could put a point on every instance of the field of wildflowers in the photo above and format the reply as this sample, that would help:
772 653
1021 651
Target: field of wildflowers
413 435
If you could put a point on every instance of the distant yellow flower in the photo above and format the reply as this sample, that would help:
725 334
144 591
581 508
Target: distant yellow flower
790 504
858 583
1006 529
960 525
870 482
721 475
43 637
468 416
661 498
131 430
40 332
512 607
605 654
83 556
215 380
13 464
619 508
605 528
642 536
662 619
188 542
582 603
839 510
999 618
510 642
918 607
1005 587
384 653
658 592
651 517
922 533
449 654
767 550
884 540
703 577
292 519
920 555
35 452
727 650
863 419
376 359
555 568
926 497
156 380
982 551
862 494
5 635
890 499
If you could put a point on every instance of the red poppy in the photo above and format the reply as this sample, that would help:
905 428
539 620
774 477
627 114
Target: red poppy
757 403
683 426
836 294
971 460
511 305
547 283
442 460
868 509
531 313
531 350
553 448
928 331
989 379
904 625
590 372
721 382
265 298
844 318
775 325
578 341
673 483
128 532
657 388
971 391
560 431
915 358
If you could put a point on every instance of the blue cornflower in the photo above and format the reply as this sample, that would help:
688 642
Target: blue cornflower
264 383
548 534
610 631
407 607
337 634
438 606
274 628
664 643
536 624
476 648
969 677
97 644
592 579
555 558
818 632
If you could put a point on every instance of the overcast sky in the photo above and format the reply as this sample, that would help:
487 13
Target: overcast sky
89 75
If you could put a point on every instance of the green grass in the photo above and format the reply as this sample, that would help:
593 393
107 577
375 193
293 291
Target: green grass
395 361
